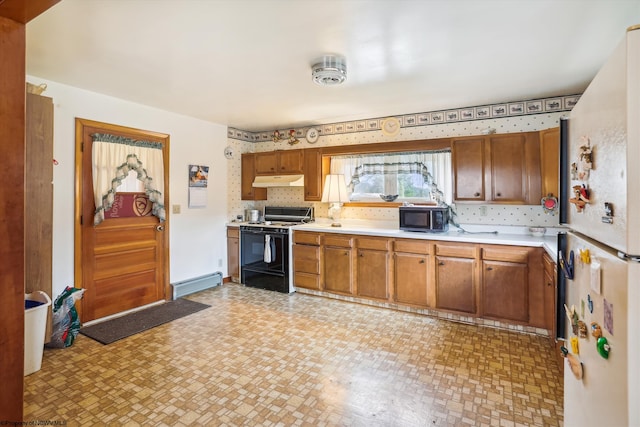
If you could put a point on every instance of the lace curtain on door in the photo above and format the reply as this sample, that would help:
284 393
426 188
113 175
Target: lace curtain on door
113 157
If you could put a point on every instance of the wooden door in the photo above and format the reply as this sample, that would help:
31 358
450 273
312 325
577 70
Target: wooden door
233 253
373 274
122 263
312 174
248 191
468 164
266 163
338 270
505 290
411 279
290 161
455 284
508 168
550 161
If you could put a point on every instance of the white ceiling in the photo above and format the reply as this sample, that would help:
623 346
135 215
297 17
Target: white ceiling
247 63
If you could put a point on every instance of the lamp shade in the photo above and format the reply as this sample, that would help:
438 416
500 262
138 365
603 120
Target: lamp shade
335 189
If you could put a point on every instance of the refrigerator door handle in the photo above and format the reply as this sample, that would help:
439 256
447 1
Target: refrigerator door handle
627 257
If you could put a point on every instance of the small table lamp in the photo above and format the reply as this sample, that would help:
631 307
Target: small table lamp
335 192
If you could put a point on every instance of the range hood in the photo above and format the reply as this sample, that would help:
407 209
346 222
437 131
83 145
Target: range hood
279 181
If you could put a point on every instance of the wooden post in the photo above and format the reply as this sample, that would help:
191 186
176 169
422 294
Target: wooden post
14 14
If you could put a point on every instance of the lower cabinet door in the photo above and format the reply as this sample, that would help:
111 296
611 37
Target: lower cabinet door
373 272
411 278
338 270
455 284
505 290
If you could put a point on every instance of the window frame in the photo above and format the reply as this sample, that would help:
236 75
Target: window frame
381 148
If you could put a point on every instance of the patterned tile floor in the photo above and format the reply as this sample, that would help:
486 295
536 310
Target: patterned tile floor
261 358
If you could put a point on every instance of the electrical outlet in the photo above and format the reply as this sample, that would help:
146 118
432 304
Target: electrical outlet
176 209
483 211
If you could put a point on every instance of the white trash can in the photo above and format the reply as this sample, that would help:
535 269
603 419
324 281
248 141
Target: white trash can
36 307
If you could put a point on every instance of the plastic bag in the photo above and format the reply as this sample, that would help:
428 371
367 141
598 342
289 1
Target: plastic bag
66 323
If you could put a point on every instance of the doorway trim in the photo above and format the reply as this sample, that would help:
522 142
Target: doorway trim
78 202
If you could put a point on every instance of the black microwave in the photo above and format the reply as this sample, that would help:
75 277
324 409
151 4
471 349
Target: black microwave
431 219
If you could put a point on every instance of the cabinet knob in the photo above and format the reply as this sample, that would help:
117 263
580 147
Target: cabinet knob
548 283
476 194
498 194
422 261
441 263
489 268
361 254
346 252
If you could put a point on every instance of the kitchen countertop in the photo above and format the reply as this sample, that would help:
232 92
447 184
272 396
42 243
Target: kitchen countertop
506 235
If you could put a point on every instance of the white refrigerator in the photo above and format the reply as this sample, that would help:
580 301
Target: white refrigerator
602 290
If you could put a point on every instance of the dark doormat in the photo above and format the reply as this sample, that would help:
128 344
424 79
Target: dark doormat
121 327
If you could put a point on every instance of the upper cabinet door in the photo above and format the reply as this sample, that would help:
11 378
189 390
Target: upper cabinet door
508 168
468 157
550 161
290 161
266 163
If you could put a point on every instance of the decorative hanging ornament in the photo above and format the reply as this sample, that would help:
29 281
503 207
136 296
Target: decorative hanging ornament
580 197
585 160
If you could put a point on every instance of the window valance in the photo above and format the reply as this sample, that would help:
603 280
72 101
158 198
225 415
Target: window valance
113 157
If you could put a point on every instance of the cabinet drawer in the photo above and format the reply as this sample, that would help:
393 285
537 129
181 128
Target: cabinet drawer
549 265
413 246
305 265
337 240
306 280
380 244
459 251
508 254
233 232
306 238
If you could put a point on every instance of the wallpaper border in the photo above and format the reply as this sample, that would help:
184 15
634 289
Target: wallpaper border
464 114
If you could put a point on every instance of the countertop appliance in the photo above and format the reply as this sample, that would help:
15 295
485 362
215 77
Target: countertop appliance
431 219
265 254
599 255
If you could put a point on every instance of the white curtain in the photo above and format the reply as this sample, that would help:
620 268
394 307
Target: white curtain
435 167
113 157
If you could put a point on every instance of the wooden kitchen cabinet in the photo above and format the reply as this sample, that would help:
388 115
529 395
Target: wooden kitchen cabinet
507 168
550 294
279 162
337 272
550 161
248 192
313 174
468 164
455 278
505 285
233 253
500 168
306 260
412 264
373 267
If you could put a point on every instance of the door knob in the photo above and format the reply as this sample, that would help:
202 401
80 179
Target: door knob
160 227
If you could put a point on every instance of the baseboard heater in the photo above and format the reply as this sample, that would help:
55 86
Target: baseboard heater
196 284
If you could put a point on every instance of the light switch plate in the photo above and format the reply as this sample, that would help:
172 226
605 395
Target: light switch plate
176 209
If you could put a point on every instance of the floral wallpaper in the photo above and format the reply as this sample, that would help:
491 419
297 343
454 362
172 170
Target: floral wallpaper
368 131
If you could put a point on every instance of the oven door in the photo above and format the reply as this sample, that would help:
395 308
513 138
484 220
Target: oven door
263 259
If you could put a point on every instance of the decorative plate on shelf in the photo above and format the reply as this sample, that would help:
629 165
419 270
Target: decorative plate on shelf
390 126
312 135
228 152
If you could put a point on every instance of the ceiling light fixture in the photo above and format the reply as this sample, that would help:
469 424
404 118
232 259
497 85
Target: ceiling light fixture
330 72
